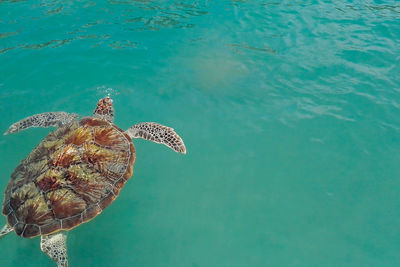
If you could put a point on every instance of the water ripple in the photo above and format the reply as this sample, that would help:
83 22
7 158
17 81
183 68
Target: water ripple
6 34
65 26
333 54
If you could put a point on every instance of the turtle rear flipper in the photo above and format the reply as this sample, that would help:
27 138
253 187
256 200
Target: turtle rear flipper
5 230
159 134
55 246
48 119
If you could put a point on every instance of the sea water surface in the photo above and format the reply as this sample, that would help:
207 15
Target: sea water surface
290 112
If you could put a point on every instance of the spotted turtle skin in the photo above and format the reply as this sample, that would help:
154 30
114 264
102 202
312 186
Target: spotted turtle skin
69 178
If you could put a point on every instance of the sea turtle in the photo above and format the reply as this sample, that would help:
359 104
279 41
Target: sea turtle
73 174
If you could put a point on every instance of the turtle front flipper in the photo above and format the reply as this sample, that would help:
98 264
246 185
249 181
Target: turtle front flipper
48 119
5 230
55 246
159 134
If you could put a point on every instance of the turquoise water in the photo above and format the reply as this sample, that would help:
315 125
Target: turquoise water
290 112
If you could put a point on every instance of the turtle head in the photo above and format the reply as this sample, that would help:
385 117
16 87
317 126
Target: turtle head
104 109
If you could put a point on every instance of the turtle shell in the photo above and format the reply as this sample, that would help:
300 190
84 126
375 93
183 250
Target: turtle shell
69 178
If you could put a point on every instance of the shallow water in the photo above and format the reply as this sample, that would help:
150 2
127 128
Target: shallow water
289 112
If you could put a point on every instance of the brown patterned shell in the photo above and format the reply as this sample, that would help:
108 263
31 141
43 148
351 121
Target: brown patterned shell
69 178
